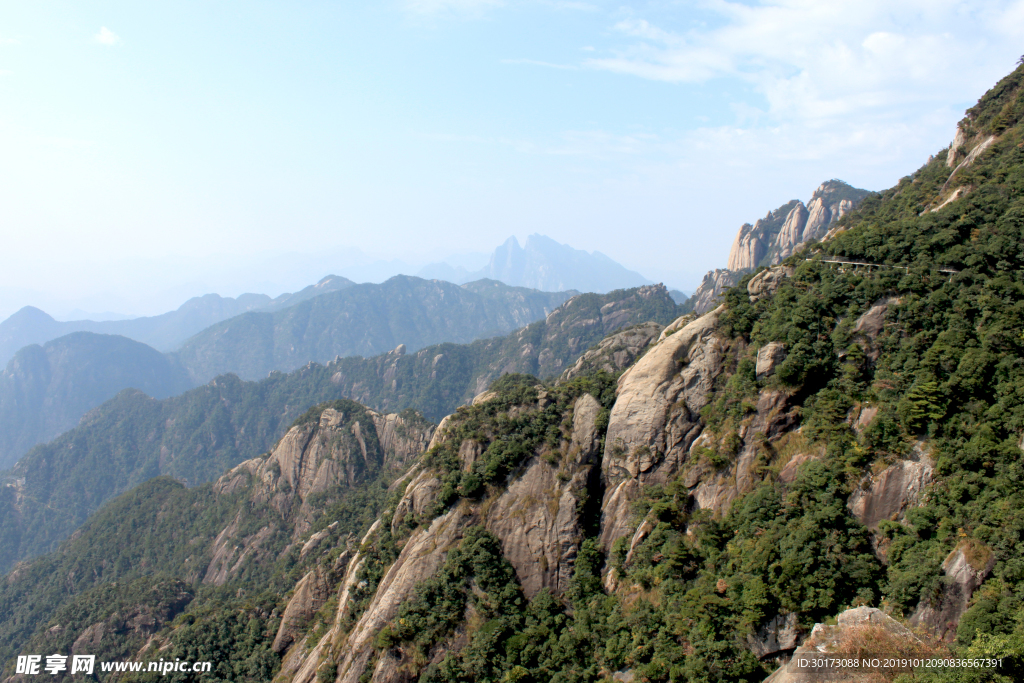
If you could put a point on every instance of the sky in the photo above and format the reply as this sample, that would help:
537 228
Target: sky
156 151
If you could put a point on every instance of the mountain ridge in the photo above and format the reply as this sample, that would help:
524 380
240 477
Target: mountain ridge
197 435
46 389
365 319
318 323
164 332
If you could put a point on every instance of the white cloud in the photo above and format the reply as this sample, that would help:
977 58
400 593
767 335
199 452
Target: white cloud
106 37
813 60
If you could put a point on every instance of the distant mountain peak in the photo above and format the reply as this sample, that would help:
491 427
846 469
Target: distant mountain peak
333 282
545 264
31 314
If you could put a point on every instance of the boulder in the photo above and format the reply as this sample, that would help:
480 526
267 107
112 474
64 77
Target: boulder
781 634
871 323
484 397
768 356
767 282
888 494
855 630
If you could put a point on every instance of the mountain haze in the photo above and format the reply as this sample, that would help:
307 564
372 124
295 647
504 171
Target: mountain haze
46 389
362 320
163 332
40 398
544 264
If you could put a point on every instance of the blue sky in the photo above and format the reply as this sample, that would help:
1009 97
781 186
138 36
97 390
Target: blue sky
156 152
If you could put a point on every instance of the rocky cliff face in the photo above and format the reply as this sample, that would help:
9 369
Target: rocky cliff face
615 352
536 517
711 287
337 449
291 508
782 231
780 234
656 418
653 434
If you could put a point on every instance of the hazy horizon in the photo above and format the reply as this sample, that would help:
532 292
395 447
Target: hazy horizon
158 153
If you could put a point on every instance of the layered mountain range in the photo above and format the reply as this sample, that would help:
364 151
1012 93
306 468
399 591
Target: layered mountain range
363 320
826 463
46 390
194 436
541 264
164 332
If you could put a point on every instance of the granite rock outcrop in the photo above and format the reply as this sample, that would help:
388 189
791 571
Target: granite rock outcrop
964 570
615 352
779 234
656 418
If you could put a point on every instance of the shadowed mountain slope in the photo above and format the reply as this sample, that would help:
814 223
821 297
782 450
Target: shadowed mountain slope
362 320
46 389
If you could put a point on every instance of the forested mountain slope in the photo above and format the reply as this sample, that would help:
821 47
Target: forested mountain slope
362 320
162 547
197 435
834 435
45 390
